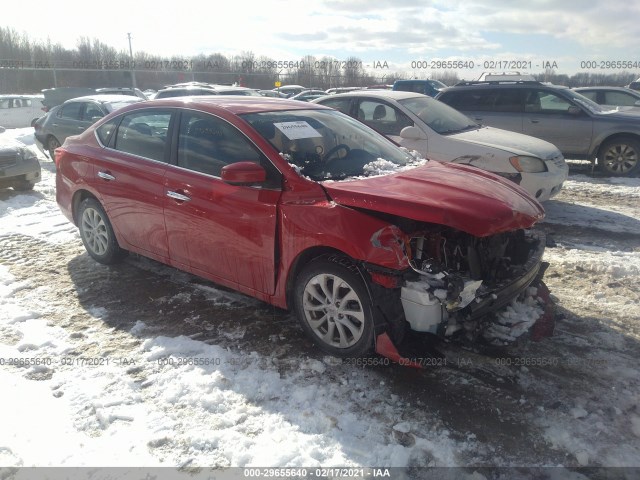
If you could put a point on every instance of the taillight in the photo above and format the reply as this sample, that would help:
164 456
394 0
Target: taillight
57 155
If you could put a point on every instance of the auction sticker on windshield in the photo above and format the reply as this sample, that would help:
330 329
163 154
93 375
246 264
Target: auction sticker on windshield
297 130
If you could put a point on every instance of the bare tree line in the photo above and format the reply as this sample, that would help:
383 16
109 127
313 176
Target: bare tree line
28 66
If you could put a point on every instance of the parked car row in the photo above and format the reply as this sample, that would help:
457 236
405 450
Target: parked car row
73 117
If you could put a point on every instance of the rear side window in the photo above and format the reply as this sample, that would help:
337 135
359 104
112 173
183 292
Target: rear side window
543 101
486 100
143 134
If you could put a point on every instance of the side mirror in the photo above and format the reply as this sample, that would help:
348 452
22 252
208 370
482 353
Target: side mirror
637 103
2 129
243 173
573 110
412 133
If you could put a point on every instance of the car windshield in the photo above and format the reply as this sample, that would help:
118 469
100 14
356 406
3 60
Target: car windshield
438 116
328 145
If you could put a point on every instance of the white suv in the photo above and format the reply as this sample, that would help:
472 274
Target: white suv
18 111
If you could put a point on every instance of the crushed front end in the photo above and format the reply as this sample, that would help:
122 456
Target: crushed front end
458 283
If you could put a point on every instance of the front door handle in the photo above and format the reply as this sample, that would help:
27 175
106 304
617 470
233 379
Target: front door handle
178 196
533 120
106 176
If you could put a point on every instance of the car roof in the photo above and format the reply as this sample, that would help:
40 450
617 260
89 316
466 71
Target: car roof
104 98
393 94
621 89
236 104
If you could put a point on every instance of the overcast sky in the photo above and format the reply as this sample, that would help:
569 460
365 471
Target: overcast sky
397 32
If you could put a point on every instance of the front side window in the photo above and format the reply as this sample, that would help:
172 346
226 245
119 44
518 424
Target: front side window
542 101
92 112
619 98
72 111
206 144
143 134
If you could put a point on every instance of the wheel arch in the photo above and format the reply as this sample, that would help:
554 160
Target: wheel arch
78 197
304 258
610 137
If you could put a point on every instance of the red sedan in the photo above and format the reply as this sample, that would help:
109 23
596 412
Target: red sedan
304 208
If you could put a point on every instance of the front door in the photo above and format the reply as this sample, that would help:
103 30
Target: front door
546 116
223 232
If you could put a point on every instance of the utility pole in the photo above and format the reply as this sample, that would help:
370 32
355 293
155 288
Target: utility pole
133 73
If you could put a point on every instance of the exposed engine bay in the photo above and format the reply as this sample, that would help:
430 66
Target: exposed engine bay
457 279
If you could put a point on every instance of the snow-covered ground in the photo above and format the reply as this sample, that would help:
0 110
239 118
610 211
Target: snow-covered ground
142 365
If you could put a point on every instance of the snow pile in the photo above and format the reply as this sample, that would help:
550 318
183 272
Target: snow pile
587 258
515 320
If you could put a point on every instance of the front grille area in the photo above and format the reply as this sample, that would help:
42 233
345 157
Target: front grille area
8 160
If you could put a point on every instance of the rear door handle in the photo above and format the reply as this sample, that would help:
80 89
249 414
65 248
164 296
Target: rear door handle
534 121
106 176
178 196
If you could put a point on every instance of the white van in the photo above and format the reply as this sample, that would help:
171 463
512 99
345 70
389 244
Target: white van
17 111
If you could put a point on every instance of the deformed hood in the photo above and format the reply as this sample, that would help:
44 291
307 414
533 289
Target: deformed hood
459 196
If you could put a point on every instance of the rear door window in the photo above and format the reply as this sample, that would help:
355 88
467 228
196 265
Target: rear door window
143 134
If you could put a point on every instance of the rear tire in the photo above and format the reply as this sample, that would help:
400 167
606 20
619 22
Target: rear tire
97 233
620 157
52 144
334 307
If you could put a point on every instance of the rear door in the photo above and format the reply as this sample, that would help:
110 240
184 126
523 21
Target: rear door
221 231
129 177
495 107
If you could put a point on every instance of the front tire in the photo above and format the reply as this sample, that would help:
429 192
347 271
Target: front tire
334 307
24 186
97 233
620 157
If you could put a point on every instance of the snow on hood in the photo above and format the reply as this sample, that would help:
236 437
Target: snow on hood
517 143
459 196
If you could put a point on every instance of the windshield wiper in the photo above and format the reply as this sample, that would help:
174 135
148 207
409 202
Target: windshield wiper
459 130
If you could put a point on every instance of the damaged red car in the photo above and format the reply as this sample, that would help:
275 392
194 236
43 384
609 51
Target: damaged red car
304 208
